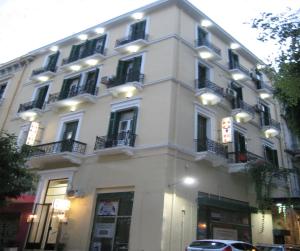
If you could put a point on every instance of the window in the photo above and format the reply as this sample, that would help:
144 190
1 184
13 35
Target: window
201 133
237 100
122 127
271 155
40 96
51 62
265 116
137 30
233 60
240 147
129 70
2 89
112 222
85 83
87 48
202 37
203 75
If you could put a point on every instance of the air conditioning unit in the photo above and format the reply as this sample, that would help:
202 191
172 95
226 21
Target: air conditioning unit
230 92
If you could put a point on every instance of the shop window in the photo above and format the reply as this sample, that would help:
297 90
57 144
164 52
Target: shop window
112 222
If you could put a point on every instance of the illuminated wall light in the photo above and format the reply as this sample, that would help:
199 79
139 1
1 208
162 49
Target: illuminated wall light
92 62
189 180
75 67
237 76
269 133
73 108
264 95
133 48
83 37
234 46
205 55
100 30
209 98
137 15
206 23
129 94
54 48
43 78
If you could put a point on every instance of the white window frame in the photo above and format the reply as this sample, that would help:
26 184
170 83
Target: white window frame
147 18
47 57
197 25
242 131
211 122
78 116
142 54
40 86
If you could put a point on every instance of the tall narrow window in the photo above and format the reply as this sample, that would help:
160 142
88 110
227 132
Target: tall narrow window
51 62
265 115
70 87
236 102
137 30
2 89
112 222
203 75
40 96
271 155
233 60
69 135
129 70
240 147
201 133
202 38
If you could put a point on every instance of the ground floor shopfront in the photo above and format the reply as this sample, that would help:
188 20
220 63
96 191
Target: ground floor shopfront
140 203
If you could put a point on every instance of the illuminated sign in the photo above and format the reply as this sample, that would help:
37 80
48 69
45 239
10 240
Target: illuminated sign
32 133
227 125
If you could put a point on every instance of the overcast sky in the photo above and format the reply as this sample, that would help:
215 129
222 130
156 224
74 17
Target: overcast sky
26 25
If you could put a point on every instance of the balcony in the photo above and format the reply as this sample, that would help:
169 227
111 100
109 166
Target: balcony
208 92
265 91
43 74
208 51
128 83
132 43
121 143
270 128
30 110
73 97
242 112
65 152
87 59
209 150
239 72
239 161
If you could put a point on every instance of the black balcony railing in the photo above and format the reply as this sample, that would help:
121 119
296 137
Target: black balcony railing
203 145
199 84
244 157
30 105
133 76
131 38
73 92
86 53
44 69
120 139
270 123
261 85
240 67
59 147
240 104
209 45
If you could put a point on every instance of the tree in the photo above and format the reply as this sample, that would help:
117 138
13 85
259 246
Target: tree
284 30
15 178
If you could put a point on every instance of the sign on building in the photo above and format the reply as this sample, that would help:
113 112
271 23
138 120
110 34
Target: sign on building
227 130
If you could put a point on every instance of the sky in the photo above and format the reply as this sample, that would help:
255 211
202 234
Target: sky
26 25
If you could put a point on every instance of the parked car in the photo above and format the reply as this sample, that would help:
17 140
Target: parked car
277 247
220 245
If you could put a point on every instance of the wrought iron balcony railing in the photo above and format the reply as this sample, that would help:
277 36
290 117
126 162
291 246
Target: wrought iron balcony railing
241 68
73 92
240 104
211 46
43 69
69 145
261 85
120 139
244 157
133 76
86 53
199 84
30 105
131 38
203 145
271 122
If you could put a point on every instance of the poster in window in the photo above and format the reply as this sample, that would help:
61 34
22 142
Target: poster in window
96 246
104 230
227 128
108 208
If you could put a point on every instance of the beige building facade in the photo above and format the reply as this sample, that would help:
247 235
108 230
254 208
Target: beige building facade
119 116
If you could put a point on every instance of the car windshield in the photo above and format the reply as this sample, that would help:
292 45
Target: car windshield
243 246
262 248
208 244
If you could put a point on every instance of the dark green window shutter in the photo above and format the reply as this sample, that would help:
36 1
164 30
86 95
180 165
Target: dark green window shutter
41 96
74 54
133 127
113 125
202 37
64 89
138 30
275 158
136 69
202 75
121 71
265 115
91 81
99 44
201 133
52 61
230 59
233 59
240 147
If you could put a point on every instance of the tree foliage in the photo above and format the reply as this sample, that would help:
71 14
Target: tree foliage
283 29
15 178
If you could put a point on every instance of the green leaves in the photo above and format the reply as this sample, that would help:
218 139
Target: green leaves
15 178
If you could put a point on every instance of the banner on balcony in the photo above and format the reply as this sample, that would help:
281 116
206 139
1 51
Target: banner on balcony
227 129
32 133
